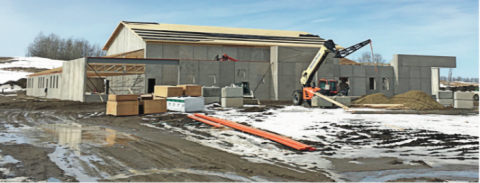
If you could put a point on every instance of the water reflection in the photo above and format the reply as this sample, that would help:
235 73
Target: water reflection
74 134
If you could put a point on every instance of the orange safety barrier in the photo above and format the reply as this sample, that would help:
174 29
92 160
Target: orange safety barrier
283 140
205 121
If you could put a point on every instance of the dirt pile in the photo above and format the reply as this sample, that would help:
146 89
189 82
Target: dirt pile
377 98
22 82
415 99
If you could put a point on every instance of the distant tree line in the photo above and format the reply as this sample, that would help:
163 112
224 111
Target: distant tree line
458 78
366 57
54 47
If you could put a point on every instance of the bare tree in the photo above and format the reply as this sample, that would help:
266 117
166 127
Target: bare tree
54 47
366 57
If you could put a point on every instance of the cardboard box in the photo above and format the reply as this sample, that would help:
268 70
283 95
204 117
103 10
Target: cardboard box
168 91
154 106
122 108
122 97
192 90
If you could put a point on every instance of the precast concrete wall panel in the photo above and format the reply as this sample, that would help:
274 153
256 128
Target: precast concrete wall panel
213 51
226 73
73 80
357 86
170 75
154 51
385 71
426 61
122 84
209 73
295 54
186 52
426 86
425 72
287 68
257 71
154 71
348 71
171 51
403 86
286 87
358 71
415 84
260 54
244 54
370 72
403 72
230 51
242 71
189 72
415 72
200 53
125 41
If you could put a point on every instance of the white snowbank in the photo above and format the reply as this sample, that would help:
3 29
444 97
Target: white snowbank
36 62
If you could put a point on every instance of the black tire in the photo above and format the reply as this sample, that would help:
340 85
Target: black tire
297 98
475 97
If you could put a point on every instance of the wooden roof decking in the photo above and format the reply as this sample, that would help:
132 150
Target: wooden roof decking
47 72
156 32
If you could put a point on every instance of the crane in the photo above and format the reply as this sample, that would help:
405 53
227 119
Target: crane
308 90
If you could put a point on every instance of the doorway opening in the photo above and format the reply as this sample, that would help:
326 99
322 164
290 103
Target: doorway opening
151 85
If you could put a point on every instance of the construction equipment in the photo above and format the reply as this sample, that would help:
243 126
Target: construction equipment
328 87
247 93
308 91
225 57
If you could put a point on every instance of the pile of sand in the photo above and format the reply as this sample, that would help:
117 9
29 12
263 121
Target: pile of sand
417 100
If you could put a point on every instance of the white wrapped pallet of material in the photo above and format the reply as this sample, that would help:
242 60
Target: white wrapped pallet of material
185 104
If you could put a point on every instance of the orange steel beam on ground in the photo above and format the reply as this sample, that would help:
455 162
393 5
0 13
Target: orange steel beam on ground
283 140
206 121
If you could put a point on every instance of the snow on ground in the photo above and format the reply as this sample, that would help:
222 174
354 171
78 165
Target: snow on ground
36 62
337 134
8 88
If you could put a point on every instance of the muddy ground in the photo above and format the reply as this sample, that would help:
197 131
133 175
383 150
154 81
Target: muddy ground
73 141
156 155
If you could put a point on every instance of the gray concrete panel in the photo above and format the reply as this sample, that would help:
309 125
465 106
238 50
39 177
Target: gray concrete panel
95 98
230 51
213 51
425 72
244 54
357 86
154 71
171 51
296 54
358 71
336 70
266 53
169 75
287 69
403 86
227 73
403 72
154 51
326 71
347 71
286 87
426 86
385 71
200 53
445 95
242 71
189 72
415 72
415 84
426 61
370 71
209 73
257 71
258 54
186 52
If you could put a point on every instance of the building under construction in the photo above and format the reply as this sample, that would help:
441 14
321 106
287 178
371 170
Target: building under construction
141 55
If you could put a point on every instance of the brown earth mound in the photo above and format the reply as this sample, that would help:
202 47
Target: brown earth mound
417 100
377 98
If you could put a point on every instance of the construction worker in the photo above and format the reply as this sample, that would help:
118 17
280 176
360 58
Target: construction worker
46 89
343 87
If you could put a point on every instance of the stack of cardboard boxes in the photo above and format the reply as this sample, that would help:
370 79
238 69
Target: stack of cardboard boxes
181 98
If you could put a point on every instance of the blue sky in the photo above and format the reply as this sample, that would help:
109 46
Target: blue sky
431 27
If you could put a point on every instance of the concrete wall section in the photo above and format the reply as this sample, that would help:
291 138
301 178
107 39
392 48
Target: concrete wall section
426 61
189 73
209 73
435 72
226 74
73 80
125 41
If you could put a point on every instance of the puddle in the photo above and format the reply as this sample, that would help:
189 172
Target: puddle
390 175
74 134
53 180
